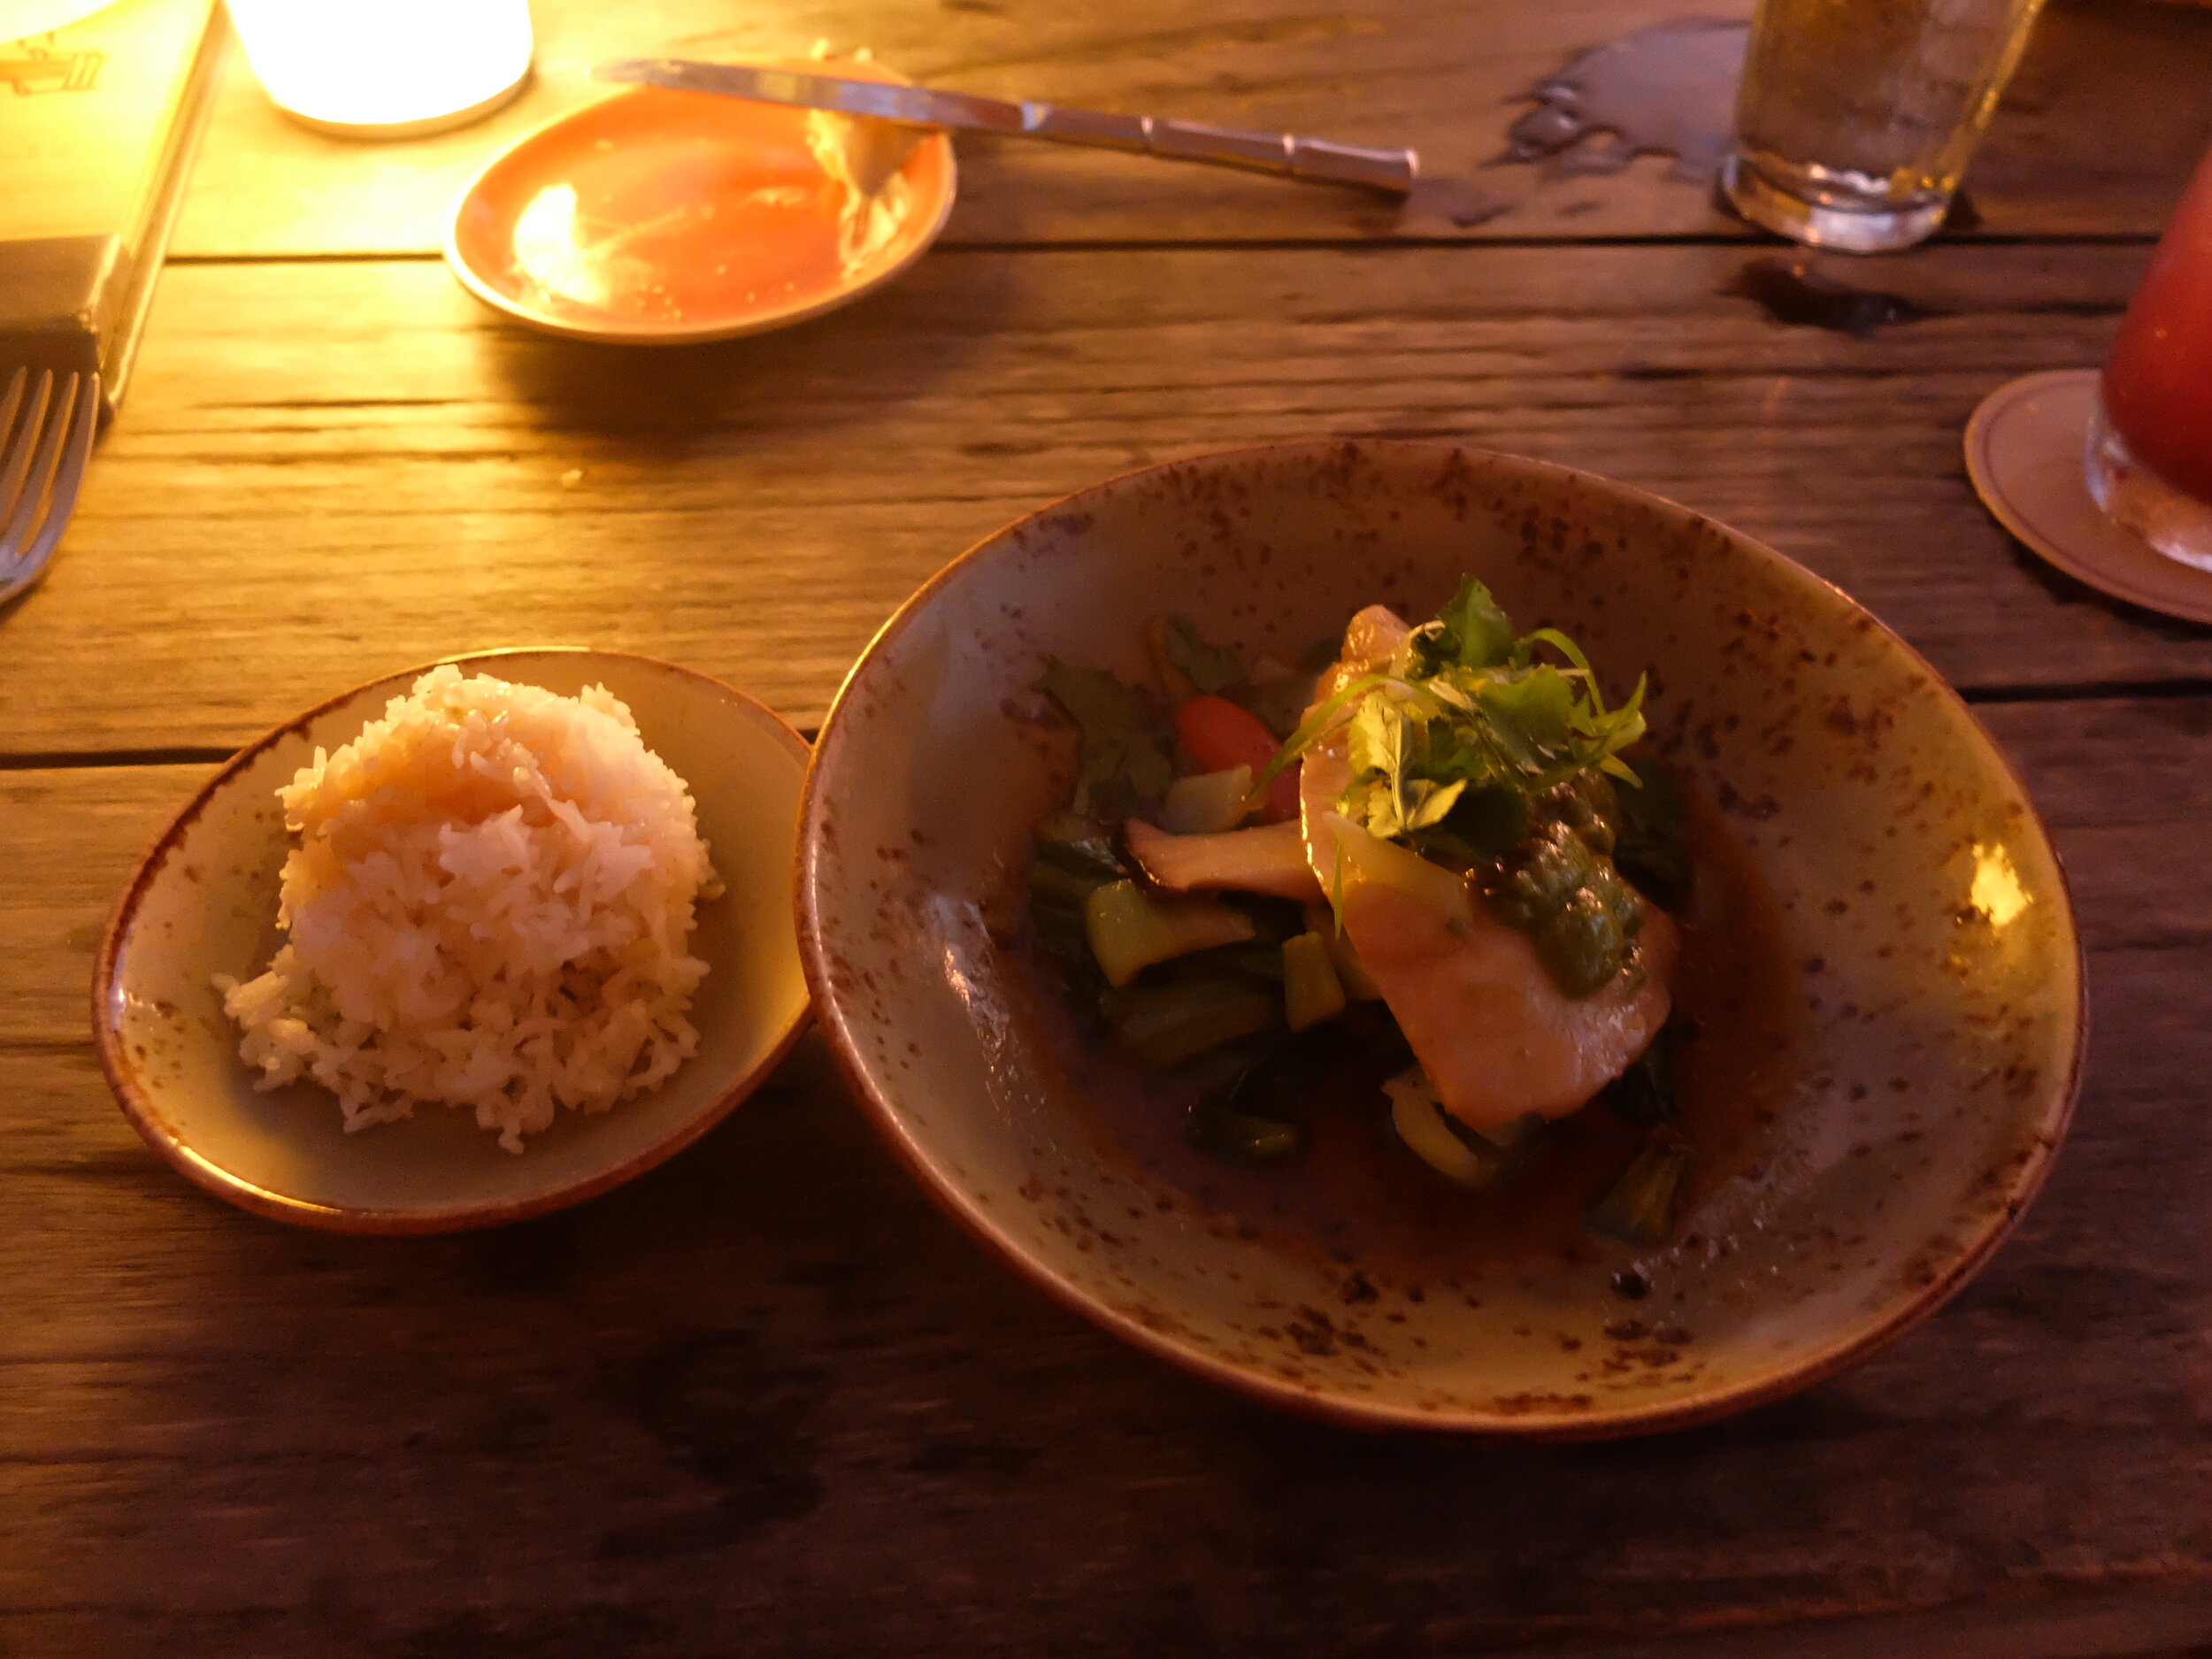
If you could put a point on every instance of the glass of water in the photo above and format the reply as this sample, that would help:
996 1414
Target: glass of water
1856 118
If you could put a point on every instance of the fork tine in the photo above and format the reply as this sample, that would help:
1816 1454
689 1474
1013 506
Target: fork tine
51 480
10 404
16 534
76 455
16 460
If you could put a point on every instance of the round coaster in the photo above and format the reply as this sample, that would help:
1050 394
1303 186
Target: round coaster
2023 451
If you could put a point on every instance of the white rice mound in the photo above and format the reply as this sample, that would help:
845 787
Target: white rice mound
488 907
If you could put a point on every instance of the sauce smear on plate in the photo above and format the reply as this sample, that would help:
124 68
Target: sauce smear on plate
660 212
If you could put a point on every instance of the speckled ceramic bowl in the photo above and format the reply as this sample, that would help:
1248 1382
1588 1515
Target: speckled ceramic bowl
1884 1079
205 900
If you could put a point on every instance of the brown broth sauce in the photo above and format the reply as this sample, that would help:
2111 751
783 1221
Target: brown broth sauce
1359 1194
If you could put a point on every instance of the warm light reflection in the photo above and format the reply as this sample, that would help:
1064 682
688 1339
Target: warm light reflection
19 19
1996 893
573 259
545 246
866 158
404 65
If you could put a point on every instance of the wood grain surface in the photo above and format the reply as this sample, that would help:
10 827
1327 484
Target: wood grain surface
765 1401
328 472
2097 134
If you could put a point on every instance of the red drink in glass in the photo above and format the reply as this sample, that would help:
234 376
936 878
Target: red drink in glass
2150 441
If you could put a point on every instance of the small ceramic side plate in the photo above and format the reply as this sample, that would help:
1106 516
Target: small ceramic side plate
203 901
661 217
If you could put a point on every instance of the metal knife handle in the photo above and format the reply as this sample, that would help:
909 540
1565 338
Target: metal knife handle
1284 153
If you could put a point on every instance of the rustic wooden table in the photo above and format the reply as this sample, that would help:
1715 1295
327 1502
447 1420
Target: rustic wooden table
765 1399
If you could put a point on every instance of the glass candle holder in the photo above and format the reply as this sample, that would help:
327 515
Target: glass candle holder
387 68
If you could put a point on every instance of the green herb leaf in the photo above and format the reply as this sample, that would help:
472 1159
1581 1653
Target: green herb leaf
1208 667
1489 820
1532 719
1278 702
1433 802
1124 761
1314 723
1471 632
1481 756
1377 739
1653 848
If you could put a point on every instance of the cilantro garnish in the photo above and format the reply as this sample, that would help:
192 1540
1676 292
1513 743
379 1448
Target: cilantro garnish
1452 743
1208 667
1124 761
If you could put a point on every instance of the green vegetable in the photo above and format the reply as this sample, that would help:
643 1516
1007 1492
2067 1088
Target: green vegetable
1130 929
1644 1094
1237 1136
1208 667
1255 958
1124 762
1567 896
1351 972
1654 847
1166 1025
1639 1207
1485 823
1258 1114
1472 1160
1471 631
1074 858
1278 698
1472 751
1052 884
1079 845
1388 798
1466 702
1311 991
1206 804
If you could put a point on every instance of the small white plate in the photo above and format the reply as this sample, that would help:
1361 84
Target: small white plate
2023 451
203 901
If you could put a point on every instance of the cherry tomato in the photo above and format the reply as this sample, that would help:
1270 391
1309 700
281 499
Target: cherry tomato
1219 735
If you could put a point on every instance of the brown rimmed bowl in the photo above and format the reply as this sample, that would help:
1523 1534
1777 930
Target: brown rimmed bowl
1889 1068
203 901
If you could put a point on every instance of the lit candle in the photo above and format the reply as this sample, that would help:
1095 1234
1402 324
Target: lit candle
386 68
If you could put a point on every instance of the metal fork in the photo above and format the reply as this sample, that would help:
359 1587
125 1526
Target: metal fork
45 442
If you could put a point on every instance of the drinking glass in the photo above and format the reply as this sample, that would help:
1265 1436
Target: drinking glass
2149 453
1856 118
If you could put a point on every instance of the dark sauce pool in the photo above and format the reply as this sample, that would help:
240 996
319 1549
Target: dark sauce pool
1357 1196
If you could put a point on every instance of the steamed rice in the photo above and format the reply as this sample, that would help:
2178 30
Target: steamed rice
489 907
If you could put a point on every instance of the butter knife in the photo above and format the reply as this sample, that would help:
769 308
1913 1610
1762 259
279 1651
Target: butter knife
1286 153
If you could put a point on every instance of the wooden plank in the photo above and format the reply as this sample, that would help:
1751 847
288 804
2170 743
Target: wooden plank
73 838
2098 134
330 472
2117 780
669 1415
